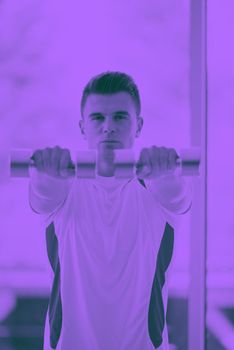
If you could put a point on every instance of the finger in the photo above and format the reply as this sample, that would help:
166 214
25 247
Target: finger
155 159
46 160
163 159
38 160
143 158
173 156
55 160
65 162
144 165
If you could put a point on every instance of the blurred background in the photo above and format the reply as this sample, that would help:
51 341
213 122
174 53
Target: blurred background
48 52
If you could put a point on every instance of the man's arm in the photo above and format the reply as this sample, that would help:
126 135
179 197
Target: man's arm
173 192
47 193
50 179
157 166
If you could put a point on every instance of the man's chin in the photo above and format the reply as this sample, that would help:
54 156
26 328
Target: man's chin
110 145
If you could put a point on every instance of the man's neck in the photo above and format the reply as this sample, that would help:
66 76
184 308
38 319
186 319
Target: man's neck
105 162
105 169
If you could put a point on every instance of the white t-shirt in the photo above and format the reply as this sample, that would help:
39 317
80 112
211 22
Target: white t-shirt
108 238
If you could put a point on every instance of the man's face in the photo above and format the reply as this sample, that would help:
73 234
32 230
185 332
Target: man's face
110 117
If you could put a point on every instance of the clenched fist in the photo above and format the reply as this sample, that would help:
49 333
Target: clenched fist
55 162
156 162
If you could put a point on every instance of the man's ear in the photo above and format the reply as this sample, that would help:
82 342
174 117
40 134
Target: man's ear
140 123
82 129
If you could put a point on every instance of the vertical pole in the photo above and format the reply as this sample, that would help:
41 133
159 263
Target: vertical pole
198 131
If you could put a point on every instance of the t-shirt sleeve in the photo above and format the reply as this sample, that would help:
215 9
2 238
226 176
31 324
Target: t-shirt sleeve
174 196
47 195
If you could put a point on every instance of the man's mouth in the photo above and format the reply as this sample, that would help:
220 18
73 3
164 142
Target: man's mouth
110 142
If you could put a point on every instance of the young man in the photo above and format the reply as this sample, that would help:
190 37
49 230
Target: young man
109 241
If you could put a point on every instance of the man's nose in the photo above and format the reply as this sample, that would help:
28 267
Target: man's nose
108 126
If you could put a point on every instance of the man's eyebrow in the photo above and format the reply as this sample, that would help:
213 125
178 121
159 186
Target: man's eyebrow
116 112
94 114
121 112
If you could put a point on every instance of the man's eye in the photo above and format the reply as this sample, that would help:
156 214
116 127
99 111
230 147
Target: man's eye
120 116
98 117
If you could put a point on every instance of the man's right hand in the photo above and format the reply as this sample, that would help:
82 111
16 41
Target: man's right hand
55 162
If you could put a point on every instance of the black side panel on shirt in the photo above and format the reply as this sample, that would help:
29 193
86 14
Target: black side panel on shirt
156 313
142 182
55 304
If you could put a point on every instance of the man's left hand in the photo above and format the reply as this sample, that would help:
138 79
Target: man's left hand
155 162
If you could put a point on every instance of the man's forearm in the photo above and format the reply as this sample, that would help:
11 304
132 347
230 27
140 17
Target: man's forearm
174 192
47 193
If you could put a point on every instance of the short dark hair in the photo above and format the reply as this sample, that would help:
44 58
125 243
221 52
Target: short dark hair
111 82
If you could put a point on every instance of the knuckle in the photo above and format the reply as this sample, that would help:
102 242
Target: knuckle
63 161
155 152
65 153
46 156
162 149
144 150
45 151
54 153
37 154
155 149
37 157
55 150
